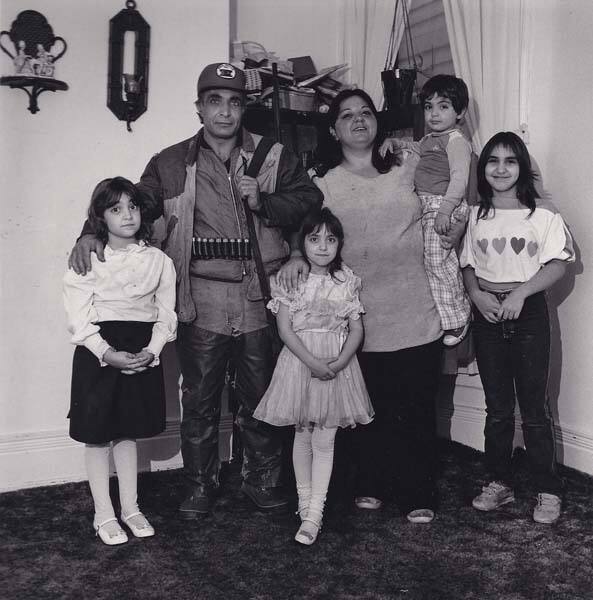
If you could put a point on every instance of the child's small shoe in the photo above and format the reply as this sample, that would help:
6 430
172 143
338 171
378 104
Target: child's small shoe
112 535
308 531
455 336
138 525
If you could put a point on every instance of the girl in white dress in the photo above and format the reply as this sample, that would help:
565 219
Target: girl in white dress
317 385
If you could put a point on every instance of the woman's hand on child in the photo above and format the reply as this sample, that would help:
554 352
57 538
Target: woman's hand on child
320 369
292 273
80 256
442 224
511 306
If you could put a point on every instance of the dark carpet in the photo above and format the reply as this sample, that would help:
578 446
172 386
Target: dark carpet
49 550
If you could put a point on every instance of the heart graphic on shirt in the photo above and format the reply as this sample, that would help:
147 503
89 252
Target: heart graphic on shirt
499 244
517 244
532 248
483 244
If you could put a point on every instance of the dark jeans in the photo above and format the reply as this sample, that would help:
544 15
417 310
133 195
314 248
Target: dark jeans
513 359
203 357
401 442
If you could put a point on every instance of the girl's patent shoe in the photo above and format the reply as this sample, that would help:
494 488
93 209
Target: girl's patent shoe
138 525
308 531
112 536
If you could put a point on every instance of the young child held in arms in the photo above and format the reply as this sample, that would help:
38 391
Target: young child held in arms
516 247
121 314
317 384
441 180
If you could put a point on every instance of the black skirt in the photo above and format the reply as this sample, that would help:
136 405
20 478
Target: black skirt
106 405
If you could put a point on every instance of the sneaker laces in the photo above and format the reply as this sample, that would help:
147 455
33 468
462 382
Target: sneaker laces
494 488
547 500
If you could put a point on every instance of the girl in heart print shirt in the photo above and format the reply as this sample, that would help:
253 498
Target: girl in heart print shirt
515 248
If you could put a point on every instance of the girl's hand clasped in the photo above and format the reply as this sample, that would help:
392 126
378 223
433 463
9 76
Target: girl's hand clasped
128 362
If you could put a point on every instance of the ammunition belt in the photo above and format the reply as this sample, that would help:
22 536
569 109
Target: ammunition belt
229 249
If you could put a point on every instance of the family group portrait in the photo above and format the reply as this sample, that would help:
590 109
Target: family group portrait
296 300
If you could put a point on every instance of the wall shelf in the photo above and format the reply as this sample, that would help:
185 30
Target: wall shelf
37 85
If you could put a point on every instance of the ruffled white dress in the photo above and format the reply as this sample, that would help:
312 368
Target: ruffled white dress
319 312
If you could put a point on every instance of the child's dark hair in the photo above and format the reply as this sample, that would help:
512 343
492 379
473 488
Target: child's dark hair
447 86
329 150
525 186
107 194
312 223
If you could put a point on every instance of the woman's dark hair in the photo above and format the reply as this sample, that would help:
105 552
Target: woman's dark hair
312 223
107 194
525 186
329 150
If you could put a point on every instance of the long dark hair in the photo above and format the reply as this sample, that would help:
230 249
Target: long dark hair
312 223
329 150
107 194
525 186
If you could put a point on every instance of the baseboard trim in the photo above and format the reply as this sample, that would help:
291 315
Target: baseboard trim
51 457
464 423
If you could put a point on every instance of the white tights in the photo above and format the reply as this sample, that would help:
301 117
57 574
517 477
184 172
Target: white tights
313 457
125 457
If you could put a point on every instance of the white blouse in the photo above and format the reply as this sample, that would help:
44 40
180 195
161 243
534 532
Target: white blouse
135 283
510 245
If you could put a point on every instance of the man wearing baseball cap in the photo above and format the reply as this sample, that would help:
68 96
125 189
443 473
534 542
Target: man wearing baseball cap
201 188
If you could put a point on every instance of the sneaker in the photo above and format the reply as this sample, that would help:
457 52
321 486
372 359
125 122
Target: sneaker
547 509
455 336
493 496
368 502
264 498
199 502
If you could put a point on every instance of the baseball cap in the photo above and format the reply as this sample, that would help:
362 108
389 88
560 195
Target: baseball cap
221 75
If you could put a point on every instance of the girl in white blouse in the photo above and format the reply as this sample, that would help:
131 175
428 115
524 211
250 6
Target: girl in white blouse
516 247
120 314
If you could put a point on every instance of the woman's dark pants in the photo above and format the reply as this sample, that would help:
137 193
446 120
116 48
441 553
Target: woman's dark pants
400 444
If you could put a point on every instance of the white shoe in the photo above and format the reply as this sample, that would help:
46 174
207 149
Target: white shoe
112 536
138 525
308 532
368 502
421 515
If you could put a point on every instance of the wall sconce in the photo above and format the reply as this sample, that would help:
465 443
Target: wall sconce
127 93
34 57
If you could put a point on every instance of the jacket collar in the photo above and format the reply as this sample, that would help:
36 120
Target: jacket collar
244 142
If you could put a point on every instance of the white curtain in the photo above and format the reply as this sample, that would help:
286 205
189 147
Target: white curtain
491 47
365 38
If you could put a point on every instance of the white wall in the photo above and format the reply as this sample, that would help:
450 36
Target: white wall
50 163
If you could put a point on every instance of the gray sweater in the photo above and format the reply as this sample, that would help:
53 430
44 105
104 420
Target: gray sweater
384 247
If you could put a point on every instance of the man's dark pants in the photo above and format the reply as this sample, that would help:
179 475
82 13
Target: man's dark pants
203 357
